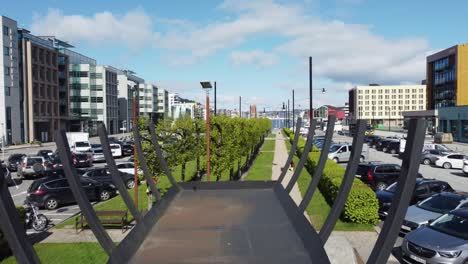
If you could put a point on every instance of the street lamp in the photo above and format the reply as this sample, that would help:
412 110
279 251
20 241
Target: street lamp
207 87
135 160
284 114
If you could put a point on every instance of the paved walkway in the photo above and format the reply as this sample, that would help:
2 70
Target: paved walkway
67 235
338 247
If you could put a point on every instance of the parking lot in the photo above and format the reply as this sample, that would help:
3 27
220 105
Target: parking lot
20 187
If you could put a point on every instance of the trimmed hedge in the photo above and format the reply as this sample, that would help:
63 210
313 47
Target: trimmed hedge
361 205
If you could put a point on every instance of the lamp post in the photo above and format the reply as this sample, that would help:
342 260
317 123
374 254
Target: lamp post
215 98
284 115
135 160
240 106
293 121
207 87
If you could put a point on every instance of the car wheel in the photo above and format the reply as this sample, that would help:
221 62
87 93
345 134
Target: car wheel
393 151
104 195
447 165
384 149
51 204
380 186
336 160
130 184
361 159
427 161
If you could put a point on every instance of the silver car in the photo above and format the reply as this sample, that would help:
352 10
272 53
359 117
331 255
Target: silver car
445 240
431 208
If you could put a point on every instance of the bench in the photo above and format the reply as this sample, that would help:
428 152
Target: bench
106 218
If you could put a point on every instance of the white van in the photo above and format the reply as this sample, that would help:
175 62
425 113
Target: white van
342 153
116 150
426 146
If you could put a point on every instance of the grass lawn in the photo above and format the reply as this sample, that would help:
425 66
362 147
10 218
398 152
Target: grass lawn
261 168
318 208
70 253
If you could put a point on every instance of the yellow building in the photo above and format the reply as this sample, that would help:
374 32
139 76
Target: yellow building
447 77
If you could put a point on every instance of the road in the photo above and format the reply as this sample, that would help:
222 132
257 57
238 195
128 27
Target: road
19 189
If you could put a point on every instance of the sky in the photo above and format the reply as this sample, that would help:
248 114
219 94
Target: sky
257 49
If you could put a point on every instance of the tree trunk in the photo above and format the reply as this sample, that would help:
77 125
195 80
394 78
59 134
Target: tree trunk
239 169
198 167
231 173
183 171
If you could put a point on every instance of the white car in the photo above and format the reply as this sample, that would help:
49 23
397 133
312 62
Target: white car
451 161
465 166
128 167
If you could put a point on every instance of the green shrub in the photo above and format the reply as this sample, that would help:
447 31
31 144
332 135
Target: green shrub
361 205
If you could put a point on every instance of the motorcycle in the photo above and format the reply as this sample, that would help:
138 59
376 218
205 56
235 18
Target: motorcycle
37 221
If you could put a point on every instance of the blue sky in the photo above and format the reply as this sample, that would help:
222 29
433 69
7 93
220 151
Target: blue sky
256 49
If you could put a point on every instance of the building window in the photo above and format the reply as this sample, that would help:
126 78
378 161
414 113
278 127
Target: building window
6 51
7 71
7 90
6 31
464 126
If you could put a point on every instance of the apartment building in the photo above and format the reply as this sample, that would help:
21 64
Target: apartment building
384 105
447 77
128 87
11 118
163 103
93 100
42 67
148 100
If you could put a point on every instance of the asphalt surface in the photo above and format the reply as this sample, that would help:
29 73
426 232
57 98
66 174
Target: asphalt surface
19 189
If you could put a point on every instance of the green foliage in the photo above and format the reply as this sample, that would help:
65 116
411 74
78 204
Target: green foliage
361 205
4 249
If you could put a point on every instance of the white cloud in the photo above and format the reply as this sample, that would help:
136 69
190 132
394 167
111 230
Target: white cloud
104 28
253 57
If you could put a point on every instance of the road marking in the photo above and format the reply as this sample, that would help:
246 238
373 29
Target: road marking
18 194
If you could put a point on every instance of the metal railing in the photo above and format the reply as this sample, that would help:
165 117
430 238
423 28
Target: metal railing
15 233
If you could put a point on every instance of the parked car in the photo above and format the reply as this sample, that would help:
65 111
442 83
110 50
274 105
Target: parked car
451 161
424 188
127 149
465 167
384 144
342 153
81 159
445 240
393 147
432 208
52 192
430 156
46 153
379 175
116 150
97 155
27 166
14 160
374 141
426 146
369 138
128 167
103 175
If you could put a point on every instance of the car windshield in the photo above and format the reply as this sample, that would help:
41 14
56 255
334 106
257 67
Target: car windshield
440 203
81 144
452 224
335 148
97 151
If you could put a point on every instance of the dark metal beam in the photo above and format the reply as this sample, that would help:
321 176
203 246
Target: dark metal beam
320 166
405 187
143 164
292 152
346 184
115 174
12 228
80 195
304 157
159 153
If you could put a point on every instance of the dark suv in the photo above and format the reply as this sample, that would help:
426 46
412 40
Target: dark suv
103 175
392 147
424 188
383 144
378 175
14 161
52 192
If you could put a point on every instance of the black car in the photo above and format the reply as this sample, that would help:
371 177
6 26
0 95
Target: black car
378 175
382 145
46 153
82 159
424 188
52 192
103 175
14 161
369 138
392 147
374 141
127 149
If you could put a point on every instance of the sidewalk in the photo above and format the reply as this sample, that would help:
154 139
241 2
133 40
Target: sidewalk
67 235
338 247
